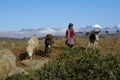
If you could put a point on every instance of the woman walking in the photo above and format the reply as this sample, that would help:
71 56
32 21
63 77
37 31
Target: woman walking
70 41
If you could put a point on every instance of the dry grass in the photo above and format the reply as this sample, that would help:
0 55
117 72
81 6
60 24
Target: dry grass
106 45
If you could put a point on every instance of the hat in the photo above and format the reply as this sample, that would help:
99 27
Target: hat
70 24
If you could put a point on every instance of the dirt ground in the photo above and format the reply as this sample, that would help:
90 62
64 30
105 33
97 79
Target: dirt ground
18 47
21 54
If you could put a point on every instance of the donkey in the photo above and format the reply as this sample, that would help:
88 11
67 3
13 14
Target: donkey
93 38
32 45
48 43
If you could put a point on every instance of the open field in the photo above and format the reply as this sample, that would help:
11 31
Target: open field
107 44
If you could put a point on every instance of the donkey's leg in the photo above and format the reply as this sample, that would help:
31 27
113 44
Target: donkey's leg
36 51
95 45
87 46
30 55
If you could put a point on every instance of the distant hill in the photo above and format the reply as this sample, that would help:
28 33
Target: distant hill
41 32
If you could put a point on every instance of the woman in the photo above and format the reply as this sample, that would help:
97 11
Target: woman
70 42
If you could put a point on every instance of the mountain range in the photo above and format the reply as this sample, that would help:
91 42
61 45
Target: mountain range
41 32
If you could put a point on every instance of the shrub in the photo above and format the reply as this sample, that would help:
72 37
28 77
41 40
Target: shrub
75 64
17 77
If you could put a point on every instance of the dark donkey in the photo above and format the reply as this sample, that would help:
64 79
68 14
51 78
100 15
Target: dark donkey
93 38
48 43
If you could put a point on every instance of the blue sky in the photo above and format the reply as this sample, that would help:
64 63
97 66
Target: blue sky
19 14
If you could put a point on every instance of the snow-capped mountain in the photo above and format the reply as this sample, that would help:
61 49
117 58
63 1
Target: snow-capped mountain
88 28
117 26
41 32
44 31
110 29
97 26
